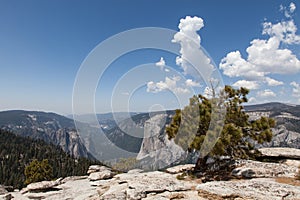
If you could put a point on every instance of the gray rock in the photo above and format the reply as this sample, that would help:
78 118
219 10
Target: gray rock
117 192
243 172
157 151
282 137
137 186
2 190
135 171
180 168
255 169
290 153
42 186
104 174
96 168
251 189
6 197
295 163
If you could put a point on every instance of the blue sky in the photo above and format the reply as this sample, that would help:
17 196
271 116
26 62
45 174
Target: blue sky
43 44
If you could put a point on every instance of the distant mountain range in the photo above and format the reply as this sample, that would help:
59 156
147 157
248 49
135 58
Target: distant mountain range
122 134
50 127
105 121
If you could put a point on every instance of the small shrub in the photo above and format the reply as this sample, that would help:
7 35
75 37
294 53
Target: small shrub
125 164
38 171
181 176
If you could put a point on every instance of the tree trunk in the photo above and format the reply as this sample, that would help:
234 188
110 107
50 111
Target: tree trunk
201 165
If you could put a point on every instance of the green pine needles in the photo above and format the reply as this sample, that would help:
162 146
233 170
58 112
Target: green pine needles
190 127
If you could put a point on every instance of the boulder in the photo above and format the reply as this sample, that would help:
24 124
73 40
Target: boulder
295 163
249 189
2 190
96 168
42 186
180 168
135 171
256 169
104 174
243 172
283 153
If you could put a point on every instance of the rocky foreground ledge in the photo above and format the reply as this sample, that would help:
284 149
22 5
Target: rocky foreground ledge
251 180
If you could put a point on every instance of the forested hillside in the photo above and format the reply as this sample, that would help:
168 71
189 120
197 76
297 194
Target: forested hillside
17 152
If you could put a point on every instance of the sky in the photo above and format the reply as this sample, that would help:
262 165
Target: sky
45 45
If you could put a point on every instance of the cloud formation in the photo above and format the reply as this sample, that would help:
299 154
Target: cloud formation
295 90
192 59
266 57
161 63
168 84
288 11
266 93
292 7
252 85
191 83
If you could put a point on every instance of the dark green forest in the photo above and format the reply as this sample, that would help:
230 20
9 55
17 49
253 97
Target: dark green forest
17 152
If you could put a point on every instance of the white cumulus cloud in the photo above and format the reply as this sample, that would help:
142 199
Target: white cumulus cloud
288 11
168 84
161 63
192 59
296 89
273 82
191 83
251 85
292 7
265 56
266 93
284 31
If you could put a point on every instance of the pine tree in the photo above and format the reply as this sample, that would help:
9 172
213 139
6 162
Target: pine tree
199 126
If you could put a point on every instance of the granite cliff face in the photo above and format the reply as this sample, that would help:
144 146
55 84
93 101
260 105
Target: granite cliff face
157 151
49 127
287 130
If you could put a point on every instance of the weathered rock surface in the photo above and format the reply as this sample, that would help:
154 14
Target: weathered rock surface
255 169
180 168
295 163
41 186
70 188
251 189
6 197
2 190
105 174
282 137
96 168
97 172
289 153
134 171
137 185
140 185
